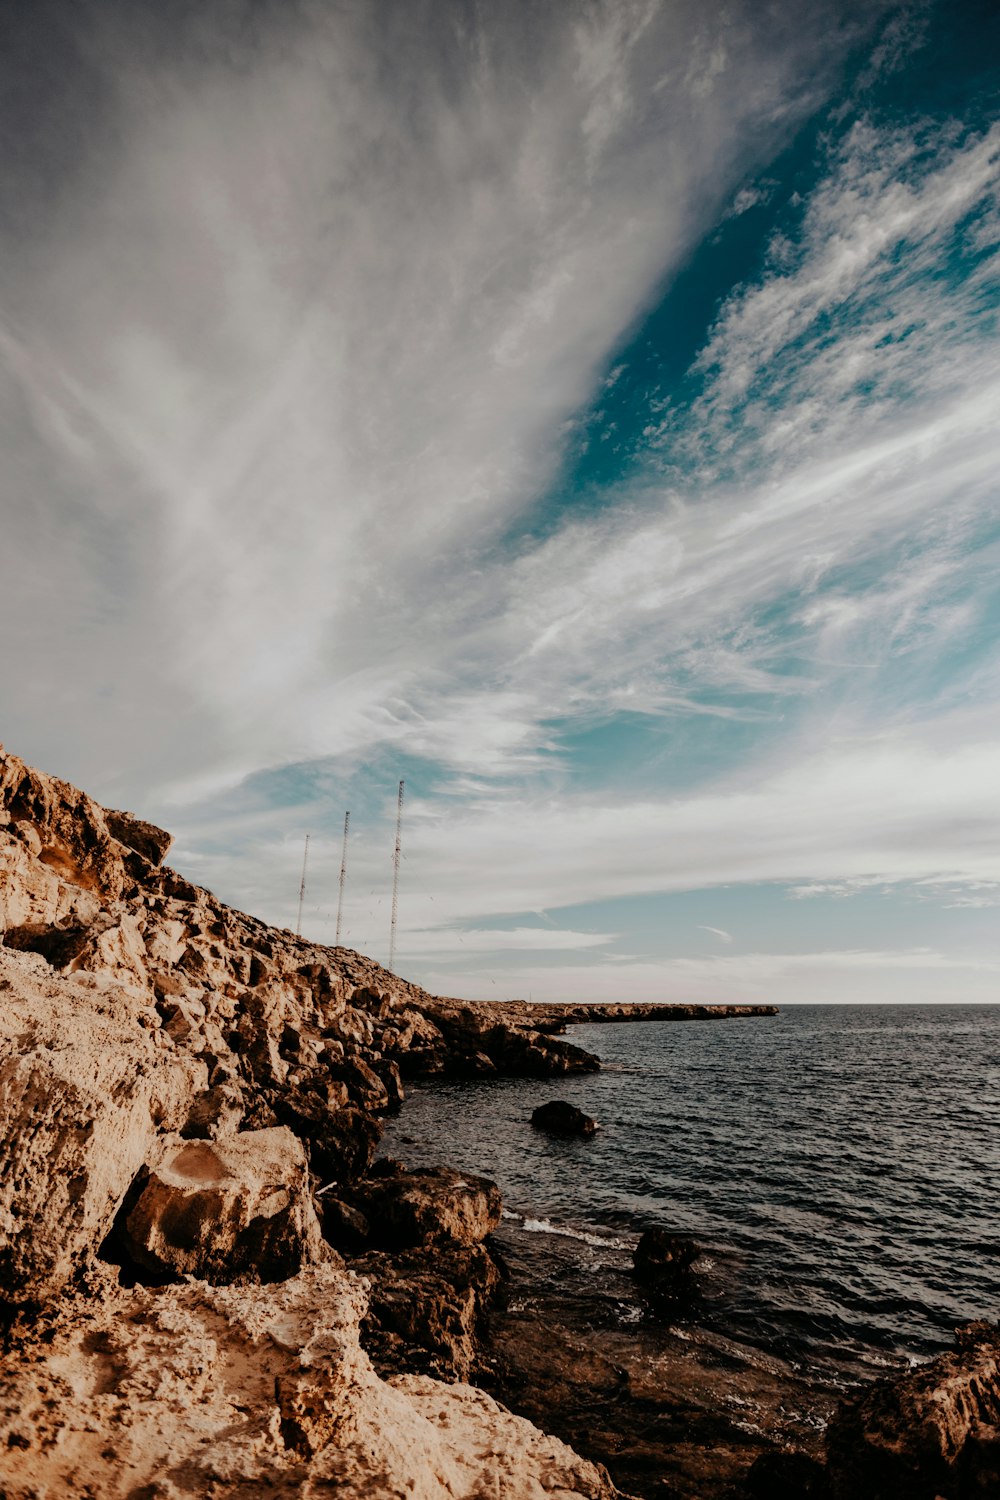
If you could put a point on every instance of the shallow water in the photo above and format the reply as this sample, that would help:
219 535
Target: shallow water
839 1165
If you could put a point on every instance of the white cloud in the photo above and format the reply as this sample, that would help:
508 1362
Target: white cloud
824 977
435 941
291 356
718 932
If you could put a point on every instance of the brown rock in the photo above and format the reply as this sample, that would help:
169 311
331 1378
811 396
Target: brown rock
232 1392
436 1204
145 838
84 1091
932 1432
559 1118
233 1209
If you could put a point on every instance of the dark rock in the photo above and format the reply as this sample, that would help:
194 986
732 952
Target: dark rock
559 1118
427 1311
786 1476
436 1205
934 1431
343 1147
344 1227
662 1263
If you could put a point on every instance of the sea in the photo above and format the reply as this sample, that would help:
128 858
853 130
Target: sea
837 1166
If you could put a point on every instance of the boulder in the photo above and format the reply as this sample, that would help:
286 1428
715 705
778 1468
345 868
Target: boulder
662 1263
559 1118
433 1205
934 1431
84 1091
233 1209
427 1308
145 838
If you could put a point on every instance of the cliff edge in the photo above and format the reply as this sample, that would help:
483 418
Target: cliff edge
190 1103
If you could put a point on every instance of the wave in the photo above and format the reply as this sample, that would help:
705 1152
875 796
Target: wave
585 1237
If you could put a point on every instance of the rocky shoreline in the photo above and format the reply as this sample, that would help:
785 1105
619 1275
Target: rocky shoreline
209 1286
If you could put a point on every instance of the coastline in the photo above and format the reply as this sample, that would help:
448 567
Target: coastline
210 1286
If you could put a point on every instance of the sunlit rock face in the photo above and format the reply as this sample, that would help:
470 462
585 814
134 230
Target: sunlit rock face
182 1089
234 1209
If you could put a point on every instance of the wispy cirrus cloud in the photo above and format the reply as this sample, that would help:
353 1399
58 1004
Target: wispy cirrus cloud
295 339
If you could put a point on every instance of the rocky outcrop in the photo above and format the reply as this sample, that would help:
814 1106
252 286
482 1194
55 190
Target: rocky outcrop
559 1118
433 1206
256 1027
189 1099
932 1432
234 1392
233 1209
526 1016
87 1086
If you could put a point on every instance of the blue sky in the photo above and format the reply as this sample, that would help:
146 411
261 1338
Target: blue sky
589 414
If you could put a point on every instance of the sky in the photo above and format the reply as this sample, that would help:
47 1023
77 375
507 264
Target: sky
587 413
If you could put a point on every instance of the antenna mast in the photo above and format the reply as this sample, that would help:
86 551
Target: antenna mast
343 872
302 888
395 876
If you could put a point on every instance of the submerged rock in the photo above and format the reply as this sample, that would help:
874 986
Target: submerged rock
560 1118
227 1210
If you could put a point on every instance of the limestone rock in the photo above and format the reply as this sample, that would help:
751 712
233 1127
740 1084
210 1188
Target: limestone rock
237 1392
235 1208
145 838
436 1204
84 1091
932 1432
559 1118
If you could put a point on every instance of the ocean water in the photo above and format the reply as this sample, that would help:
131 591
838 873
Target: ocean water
839 1166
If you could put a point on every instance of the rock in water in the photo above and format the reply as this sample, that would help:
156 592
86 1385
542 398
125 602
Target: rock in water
436 1205
932 1432
560 1118
662 1262
235 1209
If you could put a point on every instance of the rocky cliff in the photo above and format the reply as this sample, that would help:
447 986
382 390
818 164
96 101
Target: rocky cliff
190 1103
210 1287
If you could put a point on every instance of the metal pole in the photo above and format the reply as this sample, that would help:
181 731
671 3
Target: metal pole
343 872
302 888
395 877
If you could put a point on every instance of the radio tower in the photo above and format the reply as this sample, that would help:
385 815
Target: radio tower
302 888
395 876
343 872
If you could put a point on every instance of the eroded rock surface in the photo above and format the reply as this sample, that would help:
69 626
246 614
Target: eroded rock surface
195 1391
232 1209
181 1089
87 1085
933 1432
